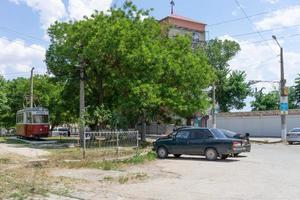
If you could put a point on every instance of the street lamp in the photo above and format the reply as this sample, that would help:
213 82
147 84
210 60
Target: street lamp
283 95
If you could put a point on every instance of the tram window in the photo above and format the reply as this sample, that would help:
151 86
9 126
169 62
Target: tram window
29 117
40 118
20 118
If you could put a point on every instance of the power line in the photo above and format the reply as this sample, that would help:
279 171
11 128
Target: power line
242 18
283 37
269 30
236 19
257 30
23 34
262 62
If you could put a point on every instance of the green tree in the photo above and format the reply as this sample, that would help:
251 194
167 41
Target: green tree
292 98
297 91
4 108
131 67
269 101
231 86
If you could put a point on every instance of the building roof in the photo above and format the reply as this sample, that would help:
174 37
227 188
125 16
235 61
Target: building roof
184 22
258 113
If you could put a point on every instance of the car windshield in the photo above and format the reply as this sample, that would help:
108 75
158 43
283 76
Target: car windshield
295 130
217 133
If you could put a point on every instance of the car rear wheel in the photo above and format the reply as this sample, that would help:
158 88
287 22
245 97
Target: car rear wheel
290 142
211 154
223 157
177 155
162 152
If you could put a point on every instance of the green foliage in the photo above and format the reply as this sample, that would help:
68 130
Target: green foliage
130 66
297 91
231 88
292 98
47 93
4 108
269 101
99 116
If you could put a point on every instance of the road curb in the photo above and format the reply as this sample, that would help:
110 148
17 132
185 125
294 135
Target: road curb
265 141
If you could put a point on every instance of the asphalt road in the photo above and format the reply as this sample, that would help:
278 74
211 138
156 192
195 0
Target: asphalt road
270 171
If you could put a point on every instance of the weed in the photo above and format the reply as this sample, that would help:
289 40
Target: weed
108 178
4 160
123 179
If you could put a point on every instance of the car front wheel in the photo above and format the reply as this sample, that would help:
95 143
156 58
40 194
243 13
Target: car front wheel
162 152
211 154
290 142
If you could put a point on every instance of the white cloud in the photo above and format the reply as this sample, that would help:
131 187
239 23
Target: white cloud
17 59
284 17
272 1
49 10
79 8
261 63
55 10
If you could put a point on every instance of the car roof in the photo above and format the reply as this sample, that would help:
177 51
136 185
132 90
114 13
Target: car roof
191 128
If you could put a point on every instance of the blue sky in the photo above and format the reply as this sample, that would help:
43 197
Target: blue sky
23 25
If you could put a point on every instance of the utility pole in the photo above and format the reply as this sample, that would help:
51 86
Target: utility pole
283 95
214 121
31 88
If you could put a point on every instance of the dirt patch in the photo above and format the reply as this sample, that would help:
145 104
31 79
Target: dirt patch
22 151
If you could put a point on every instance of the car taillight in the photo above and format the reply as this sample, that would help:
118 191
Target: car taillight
236 144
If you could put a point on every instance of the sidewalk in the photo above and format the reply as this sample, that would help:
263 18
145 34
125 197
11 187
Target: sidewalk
265 140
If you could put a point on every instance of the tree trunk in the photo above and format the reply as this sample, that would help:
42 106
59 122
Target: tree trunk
189 121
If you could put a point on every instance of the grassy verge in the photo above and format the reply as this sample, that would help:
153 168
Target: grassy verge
11 140
72 158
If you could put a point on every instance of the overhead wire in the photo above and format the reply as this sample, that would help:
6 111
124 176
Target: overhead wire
257 30
23 34
242 18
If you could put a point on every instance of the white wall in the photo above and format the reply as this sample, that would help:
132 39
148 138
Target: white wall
261 126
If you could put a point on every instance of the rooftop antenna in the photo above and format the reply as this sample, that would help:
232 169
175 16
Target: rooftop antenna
172 7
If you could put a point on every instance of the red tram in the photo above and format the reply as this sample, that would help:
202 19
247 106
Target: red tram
33 122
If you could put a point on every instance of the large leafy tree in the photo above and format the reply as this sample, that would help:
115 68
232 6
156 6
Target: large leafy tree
131 68
4 108
231 86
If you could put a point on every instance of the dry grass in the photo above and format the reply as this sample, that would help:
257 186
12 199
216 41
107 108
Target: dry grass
99 159
21 179
132 178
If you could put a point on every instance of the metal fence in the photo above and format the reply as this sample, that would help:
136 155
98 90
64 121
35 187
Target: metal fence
121 142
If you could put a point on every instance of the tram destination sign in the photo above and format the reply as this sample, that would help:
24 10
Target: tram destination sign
40 112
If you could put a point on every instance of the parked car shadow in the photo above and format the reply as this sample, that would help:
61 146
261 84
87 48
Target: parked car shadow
295 143
188 158
239 156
